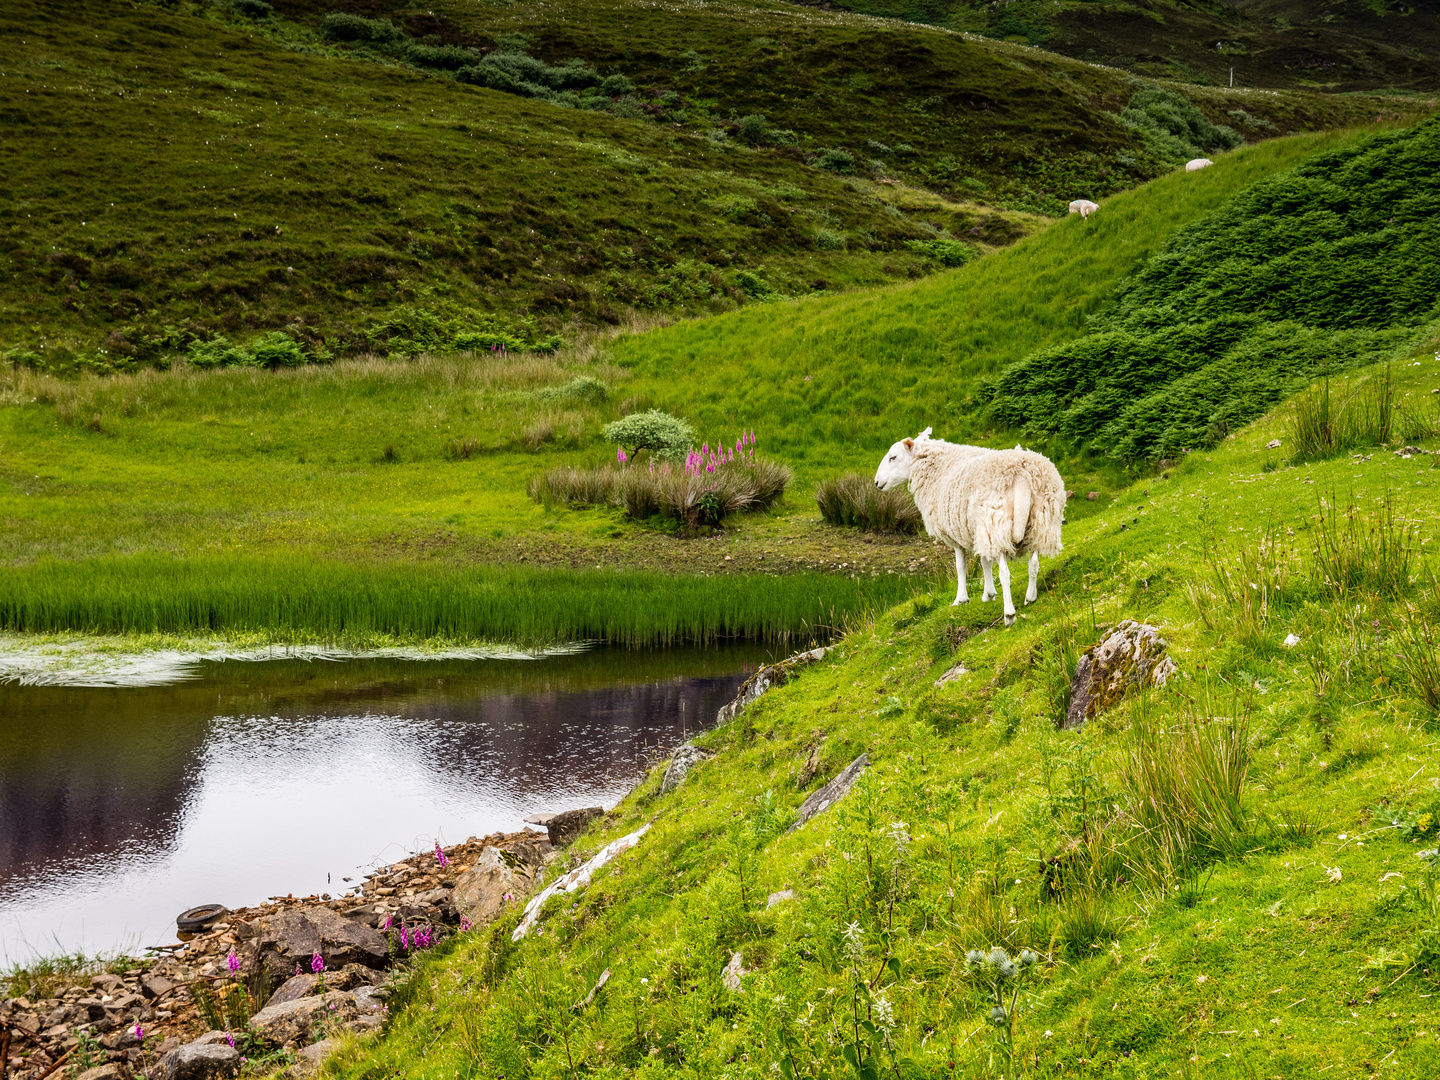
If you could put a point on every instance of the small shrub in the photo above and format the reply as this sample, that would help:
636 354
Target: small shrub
1173 128
753 130
836 161
879 149
944 250
854 500
252 9
582 388
338 26
829 240
665 436
461 449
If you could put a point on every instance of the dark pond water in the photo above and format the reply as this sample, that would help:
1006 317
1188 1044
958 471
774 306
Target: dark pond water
122 806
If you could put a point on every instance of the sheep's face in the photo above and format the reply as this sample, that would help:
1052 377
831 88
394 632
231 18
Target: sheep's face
895 465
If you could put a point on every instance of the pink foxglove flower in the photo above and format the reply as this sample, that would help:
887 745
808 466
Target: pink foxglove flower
317 963
440 857
232 962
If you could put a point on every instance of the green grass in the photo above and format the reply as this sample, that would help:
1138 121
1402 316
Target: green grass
179 173
305 600
843 377
1246 897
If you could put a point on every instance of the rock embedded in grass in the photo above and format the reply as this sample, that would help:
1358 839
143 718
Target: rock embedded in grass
1130 655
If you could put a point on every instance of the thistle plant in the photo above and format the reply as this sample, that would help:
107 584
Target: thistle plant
999 978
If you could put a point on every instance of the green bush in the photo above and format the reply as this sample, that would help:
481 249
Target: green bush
359 30
944 250
829 240
252 9
854 500
443 57
663 435
1174 129
274 349
754 130
836 161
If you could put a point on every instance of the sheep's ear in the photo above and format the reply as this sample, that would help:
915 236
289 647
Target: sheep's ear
909 444
925 434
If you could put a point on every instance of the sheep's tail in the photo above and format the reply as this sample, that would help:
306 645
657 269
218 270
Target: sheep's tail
1021 497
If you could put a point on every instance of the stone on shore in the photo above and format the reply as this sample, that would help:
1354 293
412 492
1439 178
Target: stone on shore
293 1023
279 942
482 890
771 675
199 1063
293 988
568 824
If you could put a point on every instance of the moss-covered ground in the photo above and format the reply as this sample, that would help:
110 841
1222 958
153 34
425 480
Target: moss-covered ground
1291 933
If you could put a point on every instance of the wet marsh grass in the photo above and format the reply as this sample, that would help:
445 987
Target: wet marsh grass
306 600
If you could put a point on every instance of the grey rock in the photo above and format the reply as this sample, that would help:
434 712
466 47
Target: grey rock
199 1063
297 986
827 796
293 1023
107 984
313 1056
768 677
123 1039
734 972
1131 655
482 889
156 986
685 759
103 1072
368 1000
568 824
211 1038
362 1024
287 938
779 898
93 1007
951 675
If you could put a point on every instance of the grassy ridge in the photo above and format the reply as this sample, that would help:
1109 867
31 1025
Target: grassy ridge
303 600
1224 877
1328 268
845 376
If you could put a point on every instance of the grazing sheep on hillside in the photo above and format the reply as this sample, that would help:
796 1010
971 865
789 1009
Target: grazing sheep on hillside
1083 207
1196 164
998 504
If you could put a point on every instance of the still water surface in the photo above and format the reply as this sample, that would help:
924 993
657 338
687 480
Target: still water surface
122 806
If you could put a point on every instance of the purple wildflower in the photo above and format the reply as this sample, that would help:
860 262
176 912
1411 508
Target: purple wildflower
440 857
465 923
389 922
620 456
232 962
404 937
317 963
230 1039
139 1034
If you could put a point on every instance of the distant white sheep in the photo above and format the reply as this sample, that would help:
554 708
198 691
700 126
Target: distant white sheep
996 504
1196 164
1083 207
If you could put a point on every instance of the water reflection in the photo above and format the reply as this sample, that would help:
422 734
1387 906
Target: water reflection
121 806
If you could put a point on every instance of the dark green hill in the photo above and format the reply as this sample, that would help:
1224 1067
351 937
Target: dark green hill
1334 45
181 172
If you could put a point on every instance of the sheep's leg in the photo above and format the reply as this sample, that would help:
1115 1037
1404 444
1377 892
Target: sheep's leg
1004 570
989 593
961 596
1032 592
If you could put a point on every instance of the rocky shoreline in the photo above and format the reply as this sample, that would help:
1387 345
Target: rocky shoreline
274 981
272 984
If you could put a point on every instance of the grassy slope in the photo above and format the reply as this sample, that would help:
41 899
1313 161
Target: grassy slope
1347 45
171 175
1297 957
841 378
235 465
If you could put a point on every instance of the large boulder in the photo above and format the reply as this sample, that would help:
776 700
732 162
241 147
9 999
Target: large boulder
771 675
685 759
313 1056
299 1022
199 1063
278 943
827 796
490 884
1131 655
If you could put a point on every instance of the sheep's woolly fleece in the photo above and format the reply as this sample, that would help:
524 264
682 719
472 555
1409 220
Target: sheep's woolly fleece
968 501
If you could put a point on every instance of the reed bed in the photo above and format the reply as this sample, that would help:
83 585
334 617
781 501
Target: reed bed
304 600
854 500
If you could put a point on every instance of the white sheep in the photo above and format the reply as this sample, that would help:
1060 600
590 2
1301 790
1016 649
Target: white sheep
997 504
1083 207
1196 164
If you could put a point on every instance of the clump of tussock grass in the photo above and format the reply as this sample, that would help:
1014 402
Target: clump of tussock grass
1356 551
692 500
1246 587
1322 427
854 500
